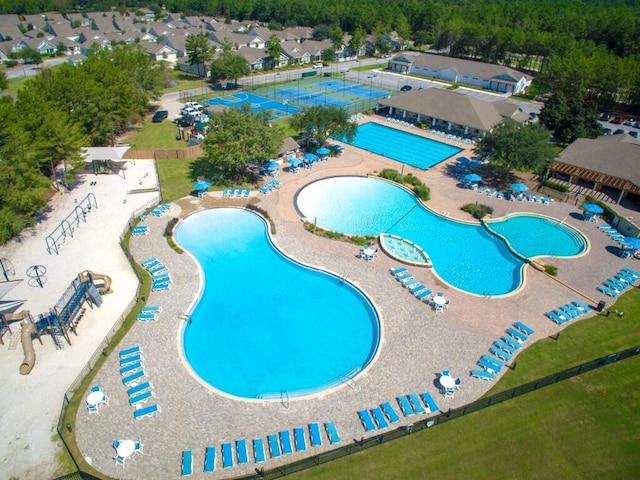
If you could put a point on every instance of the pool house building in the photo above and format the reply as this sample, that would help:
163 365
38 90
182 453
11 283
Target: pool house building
450 111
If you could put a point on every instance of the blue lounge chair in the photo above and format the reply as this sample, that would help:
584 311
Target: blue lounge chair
524 328
187 463
144 317
146 411
332 433
314 435
545 200
133 367
95 388
246 193
210 459
134 377
149 261
607 291
299 439
429 402
500 195
500 354
415 403
227 455
390 412
285 441
617 283
157 268
424 294
493 360
488 366
411 283
575 311
141 398
366 420
552 315
139 388
398 271
405 406
151 309
491 193
127 360
379 417
417 288
165 277
510 341
631 272
565 312
518 335
612 286
258 450
241 451
503 346
274 446
482 375
404 276
483 190
161 288
129 352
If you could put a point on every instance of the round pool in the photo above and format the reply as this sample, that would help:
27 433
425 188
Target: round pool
266 326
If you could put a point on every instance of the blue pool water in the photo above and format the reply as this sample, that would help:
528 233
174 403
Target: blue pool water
265 324
464 255
404 147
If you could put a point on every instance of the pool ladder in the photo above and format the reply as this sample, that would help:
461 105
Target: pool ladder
284 398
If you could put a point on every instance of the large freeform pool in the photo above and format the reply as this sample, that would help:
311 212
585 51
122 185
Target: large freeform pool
265 326
467 256
404 147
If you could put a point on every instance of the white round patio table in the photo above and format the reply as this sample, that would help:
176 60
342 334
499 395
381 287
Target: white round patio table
126 448
447 381
439 300
95 398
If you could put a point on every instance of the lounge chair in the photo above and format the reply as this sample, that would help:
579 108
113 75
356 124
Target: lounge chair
493 360
151 309
227 455
285 441
524 328
246 193
488 366
415 403
157 268
258 450
503 346
405 406
389 412
556 318
614 283
491 193
366 420
379 417
411 283
133 391
129 352
163 277
575 311
128 360
133 378
429 402
141 398
149 262
332 433
483 190
300 439
210 459
631 272
500 195
607 291
129 369
404 277
241 451
510 341
146 411
187 463
545 201
417 288
423 294
398 271
274 445
482 375
161 288
314 435
500 354
143 317
518 335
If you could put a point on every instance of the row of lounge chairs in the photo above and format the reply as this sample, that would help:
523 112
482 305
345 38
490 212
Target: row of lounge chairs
149 313
613 233
413 404
140 230
270 185
414 286
383 415
160 210
503 351
622 280
278 444
452 136
159 274
134 378
568 312
399 122
236 193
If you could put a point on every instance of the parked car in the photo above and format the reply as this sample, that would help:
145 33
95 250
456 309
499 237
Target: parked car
195 105
405 88
159 116
619 132
189 111
630 122
607 131
633 134
618 120
605 117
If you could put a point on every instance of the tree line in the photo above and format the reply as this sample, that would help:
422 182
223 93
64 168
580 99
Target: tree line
59 112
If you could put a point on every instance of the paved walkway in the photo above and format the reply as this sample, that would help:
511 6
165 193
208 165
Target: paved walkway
416 343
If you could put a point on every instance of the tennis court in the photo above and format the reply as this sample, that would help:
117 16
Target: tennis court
237 100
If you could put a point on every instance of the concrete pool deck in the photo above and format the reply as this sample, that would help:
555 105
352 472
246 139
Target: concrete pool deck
417 343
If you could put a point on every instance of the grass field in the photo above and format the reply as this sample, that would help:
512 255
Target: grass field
584 427
175 178
154 135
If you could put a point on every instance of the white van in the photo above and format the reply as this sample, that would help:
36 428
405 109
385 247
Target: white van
317 65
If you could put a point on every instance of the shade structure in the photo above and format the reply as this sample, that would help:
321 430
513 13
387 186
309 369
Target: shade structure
519 187
323 151
592 208
271 165
632 242
294 162
310 157
201 185
472 177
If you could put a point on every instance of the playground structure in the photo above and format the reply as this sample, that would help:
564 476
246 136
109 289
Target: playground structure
66 227
87 287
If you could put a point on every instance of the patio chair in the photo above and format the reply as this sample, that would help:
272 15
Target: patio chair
258 450
210 459
300 440
285 440
389 412
314 435
187 463
138 447
227 455
119 460
241 451
366 421
332 433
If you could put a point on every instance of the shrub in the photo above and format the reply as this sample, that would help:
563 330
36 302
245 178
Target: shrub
423 192
477 210
556 186
411 180
168 231
391 174
551 270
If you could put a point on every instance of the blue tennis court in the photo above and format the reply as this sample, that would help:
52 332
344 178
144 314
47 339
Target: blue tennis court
353 89
310 99
257 103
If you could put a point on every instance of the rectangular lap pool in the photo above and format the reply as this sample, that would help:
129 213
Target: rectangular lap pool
401 146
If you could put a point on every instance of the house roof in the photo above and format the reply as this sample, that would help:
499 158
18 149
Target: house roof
289 145
252 55
613 160
448 105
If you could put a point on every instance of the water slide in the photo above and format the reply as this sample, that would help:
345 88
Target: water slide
28 329
105 288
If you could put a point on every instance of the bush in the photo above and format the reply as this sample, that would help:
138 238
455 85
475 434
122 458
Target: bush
551 270
423 192
411 180
477 210
168 231
420 189
556 186
391 174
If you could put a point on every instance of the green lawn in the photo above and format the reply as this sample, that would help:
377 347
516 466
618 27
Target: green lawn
584 427
155 135
175 178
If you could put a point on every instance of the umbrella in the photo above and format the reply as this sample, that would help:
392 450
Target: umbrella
592 208
472 177
310 157
463 160
271 165
201 185
632 242
323 151
519 187
295 162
